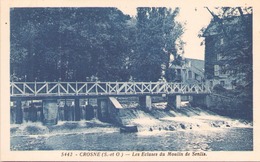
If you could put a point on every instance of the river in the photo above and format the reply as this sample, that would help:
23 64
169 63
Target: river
191 129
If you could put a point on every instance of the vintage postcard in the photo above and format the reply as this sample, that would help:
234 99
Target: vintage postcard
129 81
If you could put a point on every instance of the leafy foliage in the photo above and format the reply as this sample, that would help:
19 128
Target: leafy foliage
51 44
157 34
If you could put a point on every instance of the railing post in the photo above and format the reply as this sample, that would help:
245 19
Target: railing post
125 87
142 88
76 88
134 84
86 88
150 85
117 87
96 84
12 87
108 87
58 88
47 87
35 88
24 87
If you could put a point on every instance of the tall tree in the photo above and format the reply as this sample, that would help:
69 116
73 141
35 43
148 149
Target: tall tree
68 43
157 32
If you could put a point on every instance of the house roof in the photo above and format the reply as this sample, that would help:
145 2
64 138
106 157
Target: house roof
196 65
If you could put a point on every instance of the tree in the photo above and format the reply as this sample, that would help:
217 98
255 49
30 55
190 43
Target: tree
68 43
71 44
157 32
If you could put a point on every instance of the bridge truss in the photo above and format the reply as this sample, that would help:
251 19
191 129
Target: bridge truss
30 89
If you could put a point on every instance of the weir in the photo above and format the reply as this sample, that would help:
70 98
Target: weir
106 109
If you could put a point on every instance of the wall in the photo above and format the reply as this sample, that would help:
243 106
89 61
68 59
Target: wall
227 106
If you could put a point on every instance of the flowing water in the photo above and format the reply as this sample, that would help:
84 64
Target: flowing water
188 129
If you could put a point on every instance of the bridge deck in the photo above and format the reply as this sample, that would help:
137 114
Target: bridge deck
54 89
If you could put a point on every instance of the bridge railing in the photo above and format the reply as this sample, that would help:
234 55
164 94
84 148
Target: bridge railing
103 88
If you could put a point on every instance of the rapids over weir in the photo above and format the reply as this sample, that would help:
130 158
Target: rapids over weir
185 129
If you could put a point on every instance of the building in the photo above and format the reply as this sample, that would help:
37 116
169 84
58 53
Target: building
228 51
191 71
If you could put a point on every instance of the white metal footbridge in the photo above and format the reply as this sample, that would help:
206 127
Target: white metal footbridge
50 89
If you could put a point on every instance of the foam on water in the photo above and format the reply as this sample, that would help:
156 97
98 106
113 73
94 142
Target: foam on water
153 123
187 118
35 130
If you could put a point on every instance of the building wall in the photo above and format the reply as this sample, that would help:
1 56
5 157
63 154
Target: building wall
216 62
225 82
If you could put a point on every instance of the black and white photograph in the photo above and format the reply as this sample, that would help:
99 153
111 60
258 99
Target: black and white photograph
131 81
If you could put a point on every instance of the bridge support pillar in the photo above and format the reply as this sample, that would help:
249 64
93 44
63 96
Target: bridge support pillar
32 112
145 102
201 101
18 112
89 111
174 101
103 110
77 110
50 111
208 101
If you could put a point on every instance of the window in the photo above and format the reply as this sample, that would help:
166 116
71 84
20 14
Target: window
216 70
234 83
178 71
189 64
222 83
221 41
219 56
211 83
223 70
189 74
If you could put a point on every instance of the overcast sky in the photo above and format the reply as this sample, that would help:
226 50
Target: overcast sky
195 19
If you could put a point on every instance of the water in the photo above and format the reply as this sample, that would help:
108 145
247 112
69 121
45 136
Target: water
190 129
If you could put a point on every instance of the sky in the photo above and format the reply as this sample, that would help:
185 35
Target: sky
195 19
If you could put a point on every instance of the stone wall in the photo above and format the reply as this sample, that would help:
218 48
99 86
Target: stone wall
227 106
